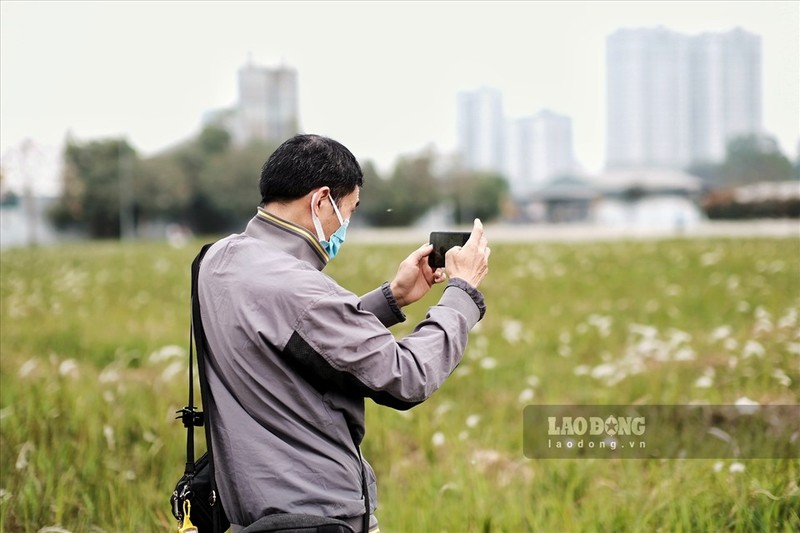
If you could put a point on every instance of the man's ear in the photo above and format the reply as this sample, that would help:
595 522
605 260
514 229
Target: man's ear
319 196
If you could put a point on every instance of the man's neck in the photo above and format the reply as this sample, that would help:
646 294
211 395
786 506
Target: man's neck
295 211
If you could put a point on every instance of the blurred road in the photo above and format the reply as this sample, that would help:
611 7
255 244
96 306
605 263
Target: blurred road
583 232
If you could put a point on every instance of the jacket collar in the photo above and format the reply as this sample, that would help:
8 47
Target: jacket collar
287 236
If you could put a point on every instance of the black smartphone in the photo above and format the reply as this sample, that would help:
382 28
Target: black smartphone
442 241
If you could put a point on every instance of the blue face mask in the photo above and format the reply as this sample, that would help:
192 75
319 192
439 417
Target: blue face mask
332 245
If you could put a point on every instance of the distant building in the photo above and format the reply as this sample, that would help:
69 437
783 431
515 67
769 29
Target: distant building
726 90
24 221
675 99
645 198
539 149
480 126
528 151
267 106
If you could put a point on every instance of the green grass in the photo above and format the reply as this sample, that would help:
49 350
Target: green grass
88 439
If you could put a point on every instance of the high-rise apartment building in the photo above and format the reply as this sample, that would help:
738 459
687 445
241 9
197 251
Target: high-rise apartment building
268 105
674 99
528 151
480 126
539 148
726 96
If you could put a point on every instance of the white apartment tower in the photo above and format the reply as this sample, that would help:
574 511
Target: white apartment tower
726 96
480 125
268 105
539 149
674 99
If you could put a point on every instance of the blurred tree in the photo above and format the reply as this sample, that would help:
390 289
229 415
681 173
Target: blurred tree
797 167
228 192
204 183
92 195
414 188
710 173
214 140
402 199
476 195
216 183
375 196
754 158
162 187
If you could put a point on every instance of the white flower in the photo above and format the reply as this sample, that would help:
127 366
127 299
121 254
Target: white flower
27 367
648 332
789 319
678 337
172 370
721 333
525 396
718 466
462 370
602 323
24 455
108 433
68 367
704 382
710 258
753 348
684 354
488 363
442 409
438 439
746 406
472 420
736 468
165 353
604 370
581 370
781 376
109 375
512 331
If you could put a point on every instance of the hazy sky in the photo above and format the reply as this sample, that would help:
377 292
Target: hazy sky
381 77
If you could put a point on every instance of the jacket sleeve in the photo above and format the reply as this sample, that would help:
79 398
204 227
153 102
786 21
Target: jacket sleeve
337 343
382 303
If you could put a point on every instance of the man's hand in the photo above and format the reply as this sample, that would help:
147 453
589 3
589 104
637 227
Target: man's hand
470 262
415 277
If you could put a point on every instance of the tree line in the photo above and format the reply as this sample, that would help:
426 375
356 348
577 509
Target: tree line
208 185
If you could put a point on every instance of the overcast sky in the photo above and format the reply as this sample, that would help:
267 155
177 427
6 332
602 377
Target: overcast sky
381 77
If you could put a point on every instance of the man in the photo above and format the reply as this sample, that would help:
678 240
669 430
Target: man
293 354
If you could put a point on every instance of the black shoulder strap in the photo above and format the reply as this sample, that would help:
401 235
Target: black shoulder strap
205 392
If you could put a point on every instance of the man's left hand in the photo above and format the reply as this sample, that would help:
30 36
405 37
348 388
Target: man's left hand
415 277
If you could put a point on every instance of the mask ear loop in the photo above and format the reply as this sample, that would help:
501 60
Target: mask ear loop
336 210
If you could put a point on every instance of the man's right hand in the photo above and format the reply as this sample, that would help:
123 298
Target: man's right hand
471 261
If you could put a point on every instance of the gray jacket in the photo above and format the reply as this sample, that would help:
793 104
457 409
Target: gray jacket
293 355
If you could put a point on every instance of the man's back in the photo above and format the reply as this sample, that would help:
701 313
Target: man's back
292 355
284 446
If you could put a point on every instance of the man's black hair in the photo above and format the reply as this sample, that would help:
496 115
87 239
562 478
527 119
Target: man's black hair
306 162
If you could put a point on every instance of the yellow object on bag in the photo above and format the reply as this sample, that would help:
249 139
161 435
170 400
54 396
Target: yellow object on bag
187 526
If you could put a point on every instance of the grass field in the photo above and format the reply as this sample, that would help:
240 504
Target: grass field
93 342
